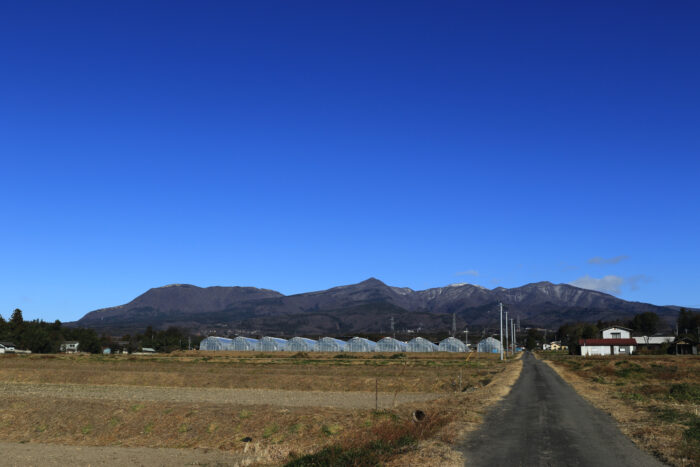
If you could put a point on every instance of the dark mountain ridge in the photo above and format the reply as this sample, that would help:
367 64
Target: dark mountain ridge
365 307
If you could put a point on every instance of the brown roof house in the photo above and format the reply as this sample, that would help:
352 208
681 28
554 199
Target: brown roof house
615 340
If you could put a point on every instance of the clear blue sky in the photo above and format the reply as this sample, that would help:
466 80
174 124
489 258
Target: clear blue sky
302 145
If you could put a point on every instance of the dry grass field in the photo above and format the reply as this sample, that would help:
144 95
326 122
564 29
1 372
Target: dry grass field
295 405
655 399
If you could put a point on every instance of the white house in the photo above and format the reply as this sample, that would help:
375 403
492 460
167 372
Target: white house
7 347
616 341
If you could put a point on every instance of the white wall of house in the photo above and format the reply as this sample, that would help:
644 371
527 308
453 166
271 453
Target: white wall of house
616 333
623 349
589 350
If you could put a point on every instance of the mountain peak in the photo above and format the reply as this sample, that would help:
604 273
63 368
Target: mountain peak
371 281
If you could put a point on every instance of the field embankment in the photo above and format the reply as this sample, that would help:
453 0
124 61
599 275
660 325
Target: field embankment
654 399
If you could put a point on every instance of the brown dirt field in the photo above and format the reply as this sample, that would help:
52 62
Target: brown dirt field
636 391
425 373
50 455
201 413
341 400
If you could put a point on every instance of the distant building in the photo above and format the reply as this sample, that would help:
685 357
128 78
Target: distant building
148 350
7 347
684 346
70 346
654 343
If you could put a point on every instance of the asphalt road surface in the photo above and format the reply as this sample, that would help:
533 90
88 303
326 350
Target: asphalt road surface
544 422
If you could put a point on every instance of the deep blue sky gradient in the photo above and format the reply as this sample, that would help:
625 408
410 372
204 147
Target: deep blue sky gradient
303 145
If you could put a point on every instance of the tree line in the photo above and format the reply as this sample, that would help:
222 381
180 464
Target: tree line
42 337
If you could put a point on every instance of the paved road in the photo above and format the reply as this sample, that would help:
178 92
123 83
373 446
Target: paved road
544 422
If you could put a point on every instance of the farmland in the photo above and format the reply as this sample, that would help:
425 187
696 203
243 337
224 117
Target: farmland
284 405
654 399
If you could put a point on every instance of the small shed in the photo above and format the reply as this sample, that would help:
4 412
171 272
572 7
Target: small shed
389 344
360 344
70 346
330 344
301 344
419 344
489 345
684 346
7 347
452 344
272 344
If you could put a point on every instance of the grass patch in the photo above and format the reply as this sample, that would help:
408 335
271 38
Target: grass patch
270 430
330 430
685 392
370 454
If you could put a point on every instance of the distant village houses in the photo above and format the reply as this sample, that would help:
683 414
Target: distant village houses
554 345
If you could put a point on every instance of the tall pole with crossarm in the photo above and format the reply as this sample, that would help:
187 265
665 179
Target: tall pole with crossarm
500 305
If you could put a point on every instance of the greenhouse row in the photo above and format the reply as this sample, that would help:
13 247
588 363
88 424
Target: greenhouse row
330 344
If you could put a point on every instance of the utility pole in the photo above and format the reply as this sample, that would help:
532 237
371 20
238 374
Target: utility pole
500 305
189 342
512 335
393 334
466 337
454 325
507 326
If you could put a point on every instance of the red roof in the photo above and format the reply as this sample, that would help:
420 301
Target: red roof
607 342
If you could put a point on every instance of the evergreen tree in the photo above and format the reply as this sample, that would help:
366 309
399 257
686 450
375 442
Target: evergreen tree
16 318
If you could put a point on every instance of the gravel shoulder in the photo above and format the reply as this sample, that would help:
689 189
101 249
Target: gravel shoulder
341 400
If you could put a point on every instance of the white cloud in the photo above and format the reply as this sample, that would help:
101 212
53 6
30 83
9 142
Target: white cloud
613 260
471 272
607 284
634 281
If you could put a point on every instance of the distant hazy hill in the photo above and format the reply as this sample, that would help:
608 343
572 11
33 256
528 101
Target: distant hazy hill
363 307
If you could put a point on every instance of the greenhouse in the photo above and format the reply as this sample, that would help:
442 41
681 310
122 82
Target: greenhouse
489 345
272 344
360 344
418 344
216 343
389 344
244 343
301 344
329 344
452 344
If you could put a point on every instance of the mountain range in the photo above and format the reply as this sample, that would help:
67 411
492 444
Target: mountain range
365 307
